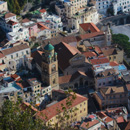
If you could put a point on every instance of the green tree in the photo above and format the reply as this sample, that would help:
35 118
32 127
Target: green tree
123 41
13 117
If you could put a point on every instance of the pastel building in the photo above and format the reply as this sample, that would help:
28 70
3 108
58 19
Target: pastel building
15 57
3 6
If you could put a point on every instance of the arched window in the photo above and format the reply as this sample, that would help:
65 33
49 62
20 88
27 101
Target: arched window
53 68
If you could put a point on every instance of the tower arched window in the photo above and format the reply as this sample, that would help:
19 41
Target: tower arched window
53 69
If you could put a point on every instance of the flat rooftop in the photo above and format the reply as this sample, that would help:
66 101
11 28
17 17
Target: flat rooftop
10 88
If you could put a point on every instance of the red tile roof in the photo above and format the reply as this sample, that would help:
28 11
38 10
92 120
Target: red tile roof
101 114
26 105
42 10
120 119
108 119
70 78
89 124
104 117
16 77
20 85
51 111
1 75
89 27
8 15
114 63
89 35
41 26
89 54
1 55
25 20
10 22
97 49
64 79
99 61
66 52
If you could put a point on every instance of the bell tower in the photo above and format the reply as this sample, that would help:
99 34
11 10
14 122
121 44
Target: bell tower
50 67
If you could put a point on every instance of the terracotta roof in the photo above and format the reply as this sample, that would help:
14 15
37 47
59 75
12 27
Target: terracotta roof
25 20
109 51
114 63
16 77
26 105
106 73
99 61
10 22
37 56
67 39
98 49
101 114
1 55
89 54
89 35
108 119
1 75
8 15
51 111
70 78
42 10
120 119
64 79
89 124
66 52
104 117
20 85
89 27
113 89
15 49
41 26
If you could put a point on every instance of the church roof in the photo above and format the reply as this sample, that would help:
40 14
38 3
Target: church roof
48 47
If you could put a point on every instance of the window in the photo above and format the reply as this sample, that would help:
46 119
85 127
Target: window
16 54
53 68
54 81
27 52
11 56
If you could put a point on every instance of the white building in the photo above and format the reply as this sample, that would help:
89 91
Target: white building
43 31
121 5
3 6
15 57
103 5
117 5
22 33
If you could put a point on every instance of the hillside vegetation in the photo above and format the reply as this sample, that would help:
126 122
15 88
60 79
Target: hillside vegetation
16 6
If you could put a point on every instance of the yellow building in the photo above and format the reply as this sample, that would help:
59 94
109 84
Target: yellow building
50 114
113 53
